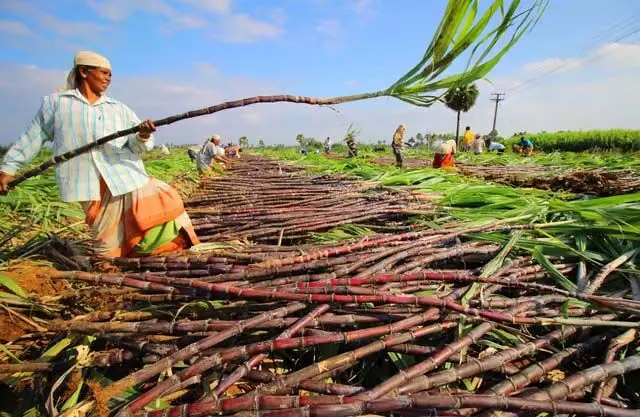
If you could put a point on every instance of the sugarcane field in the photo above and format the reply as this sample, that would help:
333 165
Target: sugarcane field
463 242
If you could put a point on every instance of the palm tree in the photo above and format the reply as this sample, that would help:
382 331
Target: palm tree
461 99
243 141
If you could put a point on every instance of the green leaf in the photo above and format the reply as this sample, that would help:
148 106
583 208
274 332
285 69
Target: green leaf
74 398
157 405
9 353
11 285
401 361
556 275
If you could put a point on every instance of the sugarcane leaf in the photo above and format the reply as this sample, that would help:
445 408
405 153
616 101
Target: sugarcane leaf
74 398
401 361
9 353
12 286
496 263
505 336
492 266
553 272
157 405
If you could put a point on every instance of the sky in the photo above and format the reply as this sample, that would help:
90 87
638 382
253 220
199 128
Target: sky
577 69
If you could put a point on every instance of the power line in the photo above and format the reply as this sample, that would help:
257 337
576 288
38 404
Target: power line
597 40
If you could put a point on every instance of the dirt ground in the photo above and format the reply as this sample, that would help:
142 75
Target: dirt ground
34 279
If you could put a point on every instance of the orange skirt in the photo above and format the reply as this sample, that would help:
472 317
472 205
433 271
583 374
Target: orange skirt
119 223
443 160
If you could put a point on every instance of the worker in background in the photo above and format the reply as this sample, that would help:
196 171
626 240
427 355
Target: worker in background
327 145
128 212
231 151
526 146
444 154
495 146
478 145
397 145
351 145
210 154
164 150
467 141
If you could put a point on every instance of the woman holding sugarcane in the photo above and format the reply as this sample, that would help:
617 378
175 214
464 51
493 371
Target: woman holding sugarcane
129 212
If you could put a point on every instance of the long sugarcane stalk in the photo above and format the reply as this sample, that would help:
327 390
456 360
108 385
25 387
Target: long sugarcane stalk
214 360
195 348
416 87
254 361
587 377
477 366
615 345
311 385
297 406
437 358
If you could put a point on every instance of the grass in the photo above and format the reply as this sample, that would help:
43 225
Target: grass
620 140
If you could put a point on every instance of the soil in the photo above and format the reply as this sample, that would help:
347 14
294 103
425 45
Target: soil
35 280
12 328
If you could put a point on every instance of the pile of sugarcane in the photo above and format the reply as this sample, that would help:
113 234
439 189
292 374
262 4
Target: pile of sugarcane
415 321
270 202
598 182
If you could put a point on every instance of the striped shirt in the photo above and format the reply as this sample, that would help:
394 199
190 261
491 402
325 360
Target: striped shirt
70 121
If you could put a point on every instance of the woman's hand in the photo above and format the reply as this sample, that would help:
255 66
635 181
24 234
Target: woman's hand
5 179
146 129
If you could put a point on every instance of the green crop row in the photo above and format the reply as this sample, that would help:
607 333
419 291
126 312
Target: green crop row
585 140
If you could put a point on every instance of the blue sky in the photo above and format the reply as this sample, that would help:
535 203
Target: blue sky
575 70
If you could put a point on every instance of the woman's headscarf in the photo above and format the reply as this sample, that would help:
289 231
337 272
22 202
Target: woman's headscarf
87 58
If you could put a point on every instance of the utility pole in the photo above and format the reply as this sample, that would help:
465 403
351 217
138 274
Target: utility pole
497 97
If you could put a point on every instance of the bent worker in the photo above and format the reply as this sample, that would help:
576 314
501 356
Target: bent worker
444 154
211 153
467 141
526 146
397 145
129 212
495 146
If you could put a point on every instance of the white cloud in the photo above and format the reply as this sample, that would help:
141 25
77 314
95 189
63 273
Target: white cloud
212 6
63 28
241 28
332 31
70 29
364 9
549 65
14 28
120 10
617 56
331 28
277 15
